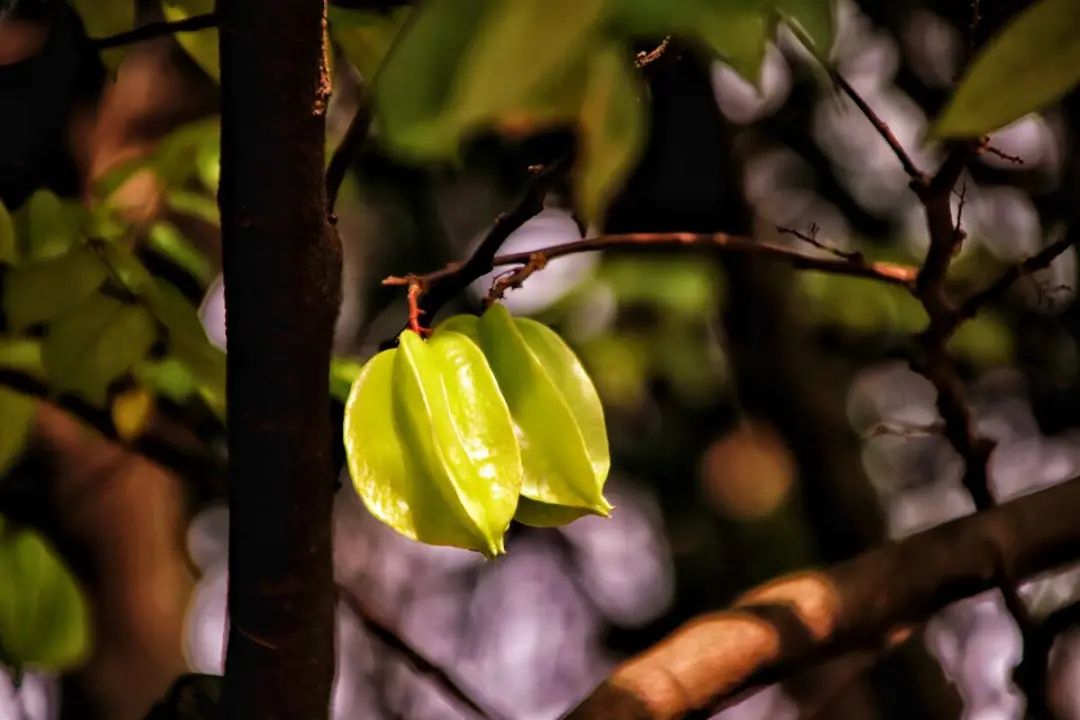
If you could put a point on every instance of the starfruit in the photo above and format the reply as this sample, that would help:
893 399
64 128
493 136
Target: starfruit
430 444
558 419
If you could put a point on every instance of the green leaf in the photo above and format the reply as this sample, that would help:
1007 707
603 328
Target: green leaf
49 225
430 443
737 31
813 17
1032 63
519 49
39 291
195 204
89 347
103 18
23 355
44 621
166 239
343 373
734 29
201 45
167 377
16 420
9 248
556 412
364 36
186 339
613 130
415 84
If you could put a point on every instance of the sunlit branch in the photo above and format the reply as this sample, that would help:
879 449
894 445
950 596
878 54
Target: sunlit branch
790 623
456 276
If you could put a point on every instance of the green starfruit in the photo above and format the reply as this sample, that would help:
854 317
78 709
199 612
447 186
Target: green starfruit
557 415
430 444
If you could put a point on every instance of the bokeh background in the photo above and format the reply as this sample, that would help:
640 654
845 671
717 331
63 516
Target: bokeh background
761 419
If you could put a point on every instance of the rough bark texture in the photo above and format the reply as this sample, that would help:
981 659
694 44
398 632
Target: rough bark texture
282 283
862 603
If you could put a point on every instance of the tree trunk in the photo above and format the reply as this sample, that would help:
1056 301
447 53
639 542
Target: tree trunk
282 284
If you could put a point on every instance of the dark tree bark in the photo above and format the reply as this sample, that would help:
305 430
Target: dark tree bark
282 284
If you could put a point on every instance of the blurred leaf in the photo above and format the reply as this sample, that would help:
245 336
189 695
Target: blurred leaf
415 84
613 130
518 49
619 364
39 291
131 410
94 344
16 420
167 377
23 355
166 239
201 45
364 36
194 204
1033 62
446 469
48 225
813 17
9 249
985 341
44 621
103 18
686 286
188 342
734 29
861 306
737 31
343 373
183 153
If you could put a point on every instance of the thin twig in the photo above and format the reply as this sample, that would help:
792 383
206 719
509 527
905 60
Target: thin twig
1014 159
348 148
392 639
458 275
451 282
882 127
156 30
644 59
1036 262
514 278
811 238
933 361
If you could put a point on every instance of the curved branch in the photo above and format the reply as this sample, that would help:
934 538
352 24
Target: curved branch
1036 262
156 30
803 618
440 285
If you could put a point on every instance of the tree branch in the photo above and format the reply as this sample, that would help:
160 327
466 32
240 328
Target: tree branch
445 282
913 171
800 619
347 149
389 637
156 30
456 278
1033 264
184 459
